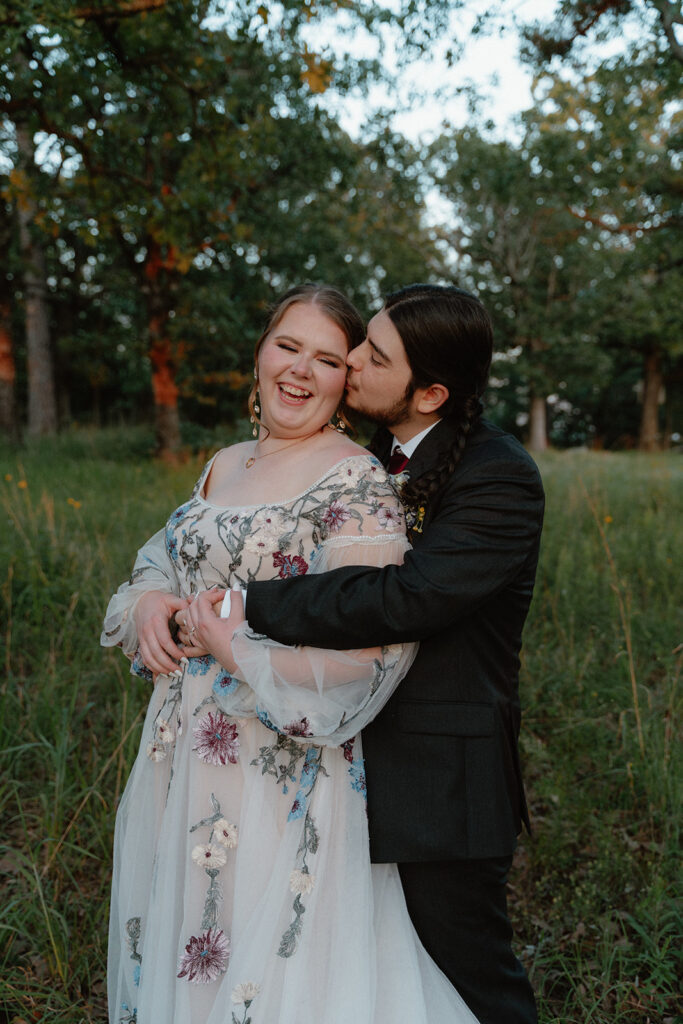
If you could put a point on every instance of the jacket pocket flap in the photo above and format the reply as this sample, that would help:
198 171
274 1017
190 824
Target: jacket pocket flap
445 718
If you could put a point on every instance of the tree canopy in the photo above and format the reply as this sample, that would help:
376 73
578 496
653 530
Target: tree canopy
168 166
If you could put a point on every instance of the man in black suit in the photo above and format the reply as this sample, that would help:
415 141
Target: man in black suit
445 794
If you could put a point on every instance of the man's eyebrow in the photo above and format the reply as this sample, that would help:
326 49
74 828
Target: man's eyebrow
375 348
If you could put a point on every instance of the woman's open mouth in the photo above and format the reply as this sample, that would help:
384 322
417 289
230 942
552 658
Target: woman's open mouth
293 395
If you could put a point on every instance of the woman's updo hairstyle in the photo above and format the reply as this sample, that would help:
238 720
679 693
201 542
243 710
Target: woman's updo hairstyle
333 303
448 339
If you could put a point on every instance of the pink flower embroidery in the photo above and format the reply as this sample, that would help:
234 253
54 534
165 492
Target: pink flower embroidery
300 728
347 747
389 518
205 957
290 565
335 515
217 740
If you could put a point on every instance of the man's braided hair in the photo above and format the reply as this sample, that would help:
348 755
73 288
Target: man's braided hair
448 339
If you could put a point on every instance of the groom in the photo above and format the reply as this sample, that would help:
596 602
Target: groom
445 795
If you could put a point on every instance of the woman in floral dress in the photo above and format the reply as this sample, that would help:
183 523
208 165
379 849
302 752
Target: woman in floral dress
243 891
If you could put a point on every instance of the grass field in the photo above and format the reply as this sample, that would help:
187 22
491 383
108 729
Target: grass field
593 894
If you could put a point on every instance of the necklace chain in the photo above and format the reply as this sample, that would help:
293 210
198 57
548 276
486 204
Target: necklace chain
300 440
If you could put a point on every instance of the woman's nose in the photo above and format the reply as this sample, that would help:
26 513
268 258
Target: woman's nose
302 365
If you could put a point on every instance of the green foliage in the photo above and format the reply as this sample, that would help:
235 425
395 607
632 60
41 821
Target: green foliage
572 237
596 898
593 891
188 173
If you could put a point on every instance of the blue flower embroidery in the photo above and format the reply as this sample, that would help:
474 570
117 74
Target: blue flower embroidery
138 668
309 773
357 773
264 720
200 666
224 684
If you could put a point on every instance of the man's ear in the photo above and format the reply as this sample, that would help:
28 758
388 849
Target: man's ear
430 399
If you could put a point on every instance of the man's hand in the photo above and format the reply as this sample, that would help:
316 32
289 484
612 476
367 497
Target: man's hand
152 613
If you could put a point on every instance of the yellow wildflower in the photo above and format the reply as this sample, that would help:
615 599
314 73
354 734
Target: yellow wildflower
22 484
608 519
8 476
73 502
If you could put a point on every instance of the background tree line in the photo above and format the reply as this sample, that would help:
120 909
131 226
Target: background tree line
168 166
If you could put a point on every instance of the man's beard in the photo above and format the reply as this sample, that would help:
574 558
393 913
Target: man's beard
392 415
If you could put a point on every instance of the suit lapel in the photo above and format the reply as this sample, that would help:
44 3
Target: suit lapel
428 452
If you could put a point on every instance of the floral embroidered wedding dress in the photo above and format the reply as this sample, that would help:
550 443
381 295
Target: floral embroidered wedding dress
243 891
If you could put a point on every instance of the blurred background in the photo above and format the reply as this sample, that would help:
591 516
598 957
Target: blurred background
167 168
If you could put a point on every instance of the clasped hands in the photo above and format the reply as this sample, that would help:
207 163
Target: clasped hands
201 631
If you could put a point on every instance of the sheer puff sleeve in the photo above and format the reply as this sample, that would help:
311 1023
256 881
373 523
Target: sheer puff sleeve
153 570
323 695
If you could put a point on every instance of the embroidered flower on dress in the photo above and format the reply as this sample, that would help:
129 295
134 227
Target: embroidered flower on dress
156 751
224 684
302 727
389 519
201 665
347 747
217 739
265 531
289 565
301 883
164 733
138 668
335 515
225 832
357 773
246 992
206 957
209 856
353 472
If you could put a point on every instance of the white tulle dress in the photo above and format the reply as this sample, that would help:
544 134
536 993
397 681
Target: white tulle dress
242 890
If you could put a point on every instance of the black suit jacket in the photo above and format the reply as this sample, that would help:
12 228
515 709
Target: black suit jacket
442 761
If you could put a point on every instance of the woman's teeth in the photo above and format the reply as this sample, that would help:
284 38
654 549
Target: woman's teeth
293 392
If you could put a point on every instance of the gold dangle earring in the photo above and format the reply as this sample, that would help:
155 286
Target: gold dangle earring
340 425
254 406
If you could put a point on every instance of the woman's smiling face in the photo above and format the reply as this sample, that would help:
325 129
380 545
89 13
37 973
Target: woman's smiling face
301 371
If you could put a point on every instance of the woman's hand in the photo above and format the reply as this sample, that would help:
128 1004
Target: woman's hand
188 642
152 614
207 630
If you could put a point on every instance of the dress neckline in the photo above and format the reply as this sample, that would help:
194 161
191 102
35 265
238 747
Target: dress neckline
287 501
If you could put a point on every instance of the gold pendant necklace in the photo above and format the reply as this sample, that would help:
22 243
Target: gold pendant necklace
300 440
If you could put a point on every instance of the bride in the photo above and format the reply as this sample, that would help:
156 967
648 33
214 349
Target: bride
242 890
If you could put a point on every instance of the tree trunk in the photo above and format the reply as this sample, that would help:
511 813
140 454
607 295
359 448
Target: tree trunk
649 438
538 431
42 403
164 387
8 420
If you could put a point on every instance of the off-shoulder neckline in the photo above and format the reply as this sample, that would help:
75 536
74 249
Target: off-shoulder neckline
287 501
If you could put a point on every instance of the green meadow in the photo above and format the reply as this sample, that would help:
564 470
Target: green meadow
593 893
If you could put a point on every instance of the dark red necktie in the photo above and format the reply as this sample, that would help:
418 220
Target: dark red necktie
397 462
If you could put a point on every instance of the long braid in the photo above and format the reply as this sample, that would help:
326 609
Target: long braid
415 493
448 339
